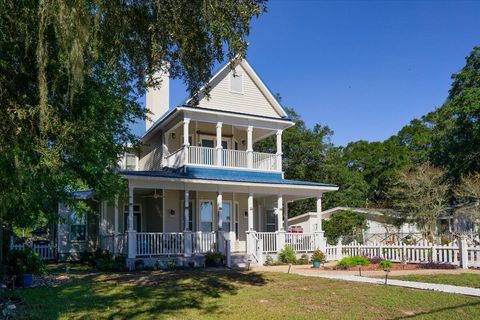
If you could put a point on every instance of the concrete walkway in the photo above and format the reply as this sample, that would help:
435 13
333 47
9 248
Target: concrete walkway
399 283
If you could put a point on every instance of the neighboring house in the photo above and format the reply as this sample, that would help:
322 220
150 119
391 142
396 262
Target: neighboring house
379 228
197 185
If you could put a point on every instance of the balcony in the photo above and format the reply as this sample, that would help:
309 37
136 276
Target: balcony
224 158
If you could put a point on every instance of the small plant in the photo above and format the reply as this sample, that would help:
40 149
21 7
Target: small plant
26 261
375 260
214 259
386 265
355 261
318 255
287 255
269 260
437 265
303 259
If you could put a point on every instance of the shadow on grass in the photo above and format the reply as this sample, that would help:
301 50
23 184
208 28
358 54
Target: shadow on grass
140 294
439 310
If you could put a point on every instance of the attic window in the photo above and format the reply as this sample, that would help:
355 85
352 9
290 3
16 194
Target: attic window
236 82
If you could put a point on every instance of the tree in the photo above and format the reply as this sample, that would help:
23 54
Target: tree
421 195
71 73
346 224
467 193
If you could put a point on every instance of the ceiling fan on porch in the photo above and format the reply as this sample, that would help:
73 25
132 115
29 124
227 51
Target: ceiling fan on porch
155 195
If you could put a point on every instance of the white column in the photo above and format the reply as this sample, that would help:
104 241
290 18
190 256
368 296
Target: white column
280 213
219 144
285 215
186 143
319 238
116 231
279 150
186 213
319 213
250 146
132 236
250 212
219 210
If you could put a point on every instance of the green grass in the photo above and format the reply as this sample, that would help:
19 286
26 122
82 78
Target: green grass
210 294
463 279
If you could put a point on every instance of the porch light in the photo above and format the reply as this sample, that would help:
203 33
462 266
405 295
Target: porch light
173 135
172 212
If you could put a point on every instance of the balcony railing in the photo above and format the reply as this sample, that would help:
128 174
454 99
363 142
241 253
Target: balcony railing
227 158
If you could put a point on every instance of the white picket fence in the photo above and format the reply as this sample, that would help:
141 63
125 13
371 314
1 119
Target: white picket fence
45 251
457 253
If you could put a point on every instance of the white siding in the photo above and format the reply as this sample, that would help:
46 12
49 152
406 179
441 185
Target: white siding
252 101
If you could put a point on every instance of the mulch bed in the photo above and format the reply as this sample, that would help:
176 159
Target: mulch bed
375 267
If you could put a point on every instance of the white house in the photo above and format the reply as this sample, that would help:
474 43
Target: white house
197 184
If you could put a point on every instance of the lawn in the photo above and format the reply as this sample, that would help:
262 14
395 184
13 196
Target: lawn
463 279
214 294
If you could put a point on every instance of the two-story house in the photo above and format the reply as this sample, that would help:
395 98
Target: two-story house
197 184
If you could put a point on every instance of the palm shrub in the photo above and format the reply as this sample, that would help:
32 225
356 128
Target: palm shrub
318 255
385 265
287 255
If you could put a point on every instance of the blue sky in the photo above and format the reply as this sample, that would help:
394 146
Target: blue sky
365 69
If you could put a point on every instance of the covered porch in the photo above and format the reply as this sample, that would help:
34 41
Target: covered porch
165 217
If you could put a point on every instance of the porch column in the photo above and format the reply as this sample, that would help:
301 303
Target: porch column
219 143
186 143
280 213
319 213
187 233
285 215
250 212
132 236
220 237
250 146
115 235
319 234
279 150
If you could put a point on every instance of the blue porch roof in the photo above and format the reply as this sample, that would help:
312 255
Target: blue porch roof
224 175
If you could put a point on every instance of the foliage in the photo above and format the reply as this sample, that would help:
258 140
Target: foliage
437 265
349 262
422 194
303 259
467 193
269 260
318 255
375 260
385 265
344 224
214 258
71 74
26 261
103 260
287 255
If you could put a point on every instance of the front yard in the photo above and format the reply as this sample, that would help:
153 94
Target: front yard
208 294
463 279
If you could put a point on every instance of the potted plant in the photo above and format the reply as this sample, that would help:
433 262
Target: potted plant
386 265
214 259
317 258
24 264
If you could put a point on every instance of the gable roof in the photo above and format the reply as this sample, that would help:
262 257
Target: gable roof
253 76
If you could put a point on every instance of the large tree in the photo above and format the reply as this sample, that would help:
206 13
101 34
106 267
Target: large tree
71 73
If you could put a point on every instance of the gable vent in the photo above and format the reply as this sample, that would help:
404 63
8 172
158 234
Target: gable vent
236 82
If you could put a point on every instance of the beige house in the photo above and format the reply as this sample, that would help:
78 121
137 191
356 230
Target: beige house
197 185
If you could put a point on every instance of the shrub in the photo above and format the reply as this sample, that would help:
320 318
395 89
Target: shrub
318 255
385 265
214 259
303 259
26 261
375 260
437 265
287 255
109 263
349 262
269 260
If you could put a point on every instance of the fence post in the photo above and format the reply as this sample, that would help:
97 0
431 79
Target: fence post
339 250
380 249
228 253
434 253
259 252
187 238
280 235
463 252
404 252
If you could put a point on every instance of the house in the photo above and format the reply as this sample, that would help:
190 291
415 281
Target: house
197 185
380 226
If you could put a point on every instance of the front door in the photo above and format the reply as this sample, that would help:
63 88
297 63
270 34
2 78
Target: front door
270 220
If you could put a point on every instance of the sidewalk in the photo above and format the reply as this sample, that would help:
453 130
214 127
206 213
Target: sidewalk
369 277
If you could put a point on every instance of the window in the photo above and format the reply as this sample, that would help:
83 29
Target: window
137 217
236 82
226 215
206 216
78 226
270 221
130 162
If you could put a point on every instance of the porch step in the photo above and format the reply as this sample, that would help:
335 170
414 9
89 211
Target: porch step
240 260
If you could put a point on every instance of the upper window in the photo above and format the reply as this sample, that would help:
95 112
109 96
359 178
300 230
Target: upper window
130 162
236 82
78 226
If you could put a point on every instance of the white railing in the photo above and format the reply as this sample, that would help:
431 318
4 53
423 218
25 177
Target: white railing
202 156
153 244
234 158
474 256
264 161
204 242
301 242
269 240
205 156
45 251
